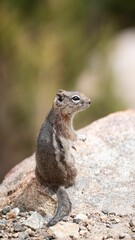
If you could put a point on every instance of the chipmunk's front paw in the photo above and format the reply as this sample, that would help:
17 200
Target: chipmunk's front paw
82 137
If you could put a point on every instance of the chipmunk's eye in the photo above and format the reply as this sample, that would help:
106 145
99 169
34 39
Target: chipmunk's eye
76 98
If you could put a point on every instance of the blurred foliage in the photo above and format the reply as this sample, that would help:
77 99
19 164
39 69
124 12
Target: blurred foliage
45 45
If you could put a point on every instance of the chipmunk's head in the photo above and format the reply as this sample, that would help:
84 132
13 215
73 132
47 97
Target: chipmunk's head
70 102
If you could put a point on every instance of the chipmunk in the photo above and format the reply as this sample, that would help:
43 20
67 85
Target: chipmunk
55 165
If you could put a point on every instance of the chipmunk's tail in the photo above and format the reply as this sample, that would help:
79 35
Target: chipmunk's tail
63 208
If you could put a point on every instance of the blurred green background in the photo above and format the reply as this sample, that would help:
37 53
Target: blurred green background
50 44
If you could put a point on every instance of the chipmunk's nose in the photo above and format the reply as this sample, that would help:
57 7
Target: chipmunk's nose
89 101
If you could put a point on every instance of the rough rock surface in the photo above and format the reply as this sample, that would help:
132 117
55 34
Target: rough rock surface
105 183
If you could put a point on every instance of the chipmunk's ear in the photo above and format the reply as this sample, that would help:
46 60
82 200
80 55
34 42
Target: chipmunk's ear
61 91
60 95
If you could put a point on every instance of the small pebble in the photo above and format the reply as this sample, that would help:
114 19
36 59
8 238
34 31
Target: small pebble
23 214
10 235
30 232
89 228
67 219
35 221
82 228
127 236
13 213
108 225
109 236
103 218
116 220
0 212
132 223
121 236
30 212
22 236
80 217
105 212
15 235
65 230
2 224
83 233
6 209
18 227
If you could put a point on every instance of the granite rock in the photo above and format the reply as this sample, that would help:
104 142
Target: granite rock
106 172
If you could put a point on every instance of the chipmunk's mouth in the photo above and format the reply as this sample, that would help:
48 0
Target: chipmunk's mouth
88 103
84 106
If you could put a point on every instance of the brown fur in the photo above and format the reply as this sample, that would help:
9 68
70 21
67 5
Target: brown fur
55 165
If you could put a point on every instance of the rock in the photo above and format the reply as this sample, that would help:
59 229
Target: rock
30 232
127 236
105 212
48 238
82 228
2 224
20 184
80 217
65 230
13 213
132 222
109 236
108 139
103 218
108 225
115 220
35 221
105 181
0 212
23 214
83 233
18 227
6 209
15 235
22 236
121 236
67 219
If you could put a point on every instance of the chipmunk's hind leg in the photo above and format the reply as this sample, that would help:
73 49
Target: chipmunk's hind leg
63 209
